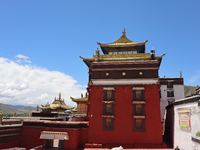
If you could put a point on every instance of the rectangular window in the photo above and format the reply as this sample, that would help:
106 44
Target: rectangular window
108 124
108 109
169 84
108 93
170 93
138 96
139 125
139 110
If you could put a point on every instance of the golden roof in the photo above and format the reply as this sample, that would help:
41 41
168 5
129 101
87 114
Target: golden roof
57 104
123 41
82 99
120 57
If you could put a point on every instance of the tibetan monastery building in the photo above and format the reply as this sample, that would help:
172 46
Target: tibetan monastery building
124 96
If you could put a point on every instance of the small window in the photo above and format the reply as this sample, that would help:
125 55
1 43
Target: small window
138 96
170 93
169 84
139 125
108 123
108 109
109 95
138 109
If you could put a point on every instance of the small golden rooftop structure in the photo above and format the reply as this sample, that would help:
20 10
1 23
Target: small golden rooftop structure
58 105
81 104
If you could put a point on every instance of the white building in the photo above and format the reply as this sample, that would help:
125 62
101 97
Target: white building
183 126
171 89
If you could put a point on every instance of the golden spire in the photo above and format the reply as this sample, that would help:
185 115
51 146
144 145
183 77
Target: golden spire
59 96
124 32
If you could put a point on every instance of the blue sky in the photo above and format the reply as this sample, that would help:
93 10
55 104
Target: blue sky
45 38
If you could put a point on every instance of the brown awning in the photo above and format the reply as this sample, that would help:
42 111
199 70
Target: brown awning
54 135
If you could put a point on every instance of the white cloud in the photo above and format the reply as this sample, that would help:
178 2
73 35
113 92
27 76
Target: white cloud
22 59
29 85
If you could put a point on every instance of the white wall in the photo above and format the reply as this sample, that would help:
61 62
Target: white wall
182 137
178 94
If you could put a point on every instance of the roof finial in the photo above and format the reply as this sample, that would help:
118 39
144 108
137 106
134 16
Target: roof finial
124 32
59 96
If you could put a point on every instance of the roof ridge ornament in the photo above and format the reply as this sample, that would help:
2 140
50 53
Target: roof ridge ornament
124 32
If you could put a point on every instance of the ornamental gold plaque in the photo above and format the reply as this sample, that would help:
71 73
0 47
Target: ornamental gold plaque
123 73
107 74
140 73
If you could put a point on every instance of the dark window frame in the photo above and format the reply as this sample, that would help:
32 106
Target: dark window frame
142 97
106 92
135 113
143 125
105 127
170 84
170 93
105 107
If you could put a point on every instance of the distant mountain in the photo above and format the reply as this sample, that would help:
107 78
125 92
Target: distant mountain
7 109
17 106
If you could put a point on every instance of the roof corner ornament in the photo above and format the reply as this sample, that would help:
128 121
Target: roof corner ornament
124 32
181 74
97 54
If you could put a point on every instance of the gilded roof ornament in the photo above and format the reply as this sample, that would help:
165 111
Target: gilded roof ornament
124 32
123 41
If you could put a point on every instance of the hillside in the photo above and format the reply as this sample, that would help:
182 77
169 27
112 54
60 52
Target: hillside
189 90
7 109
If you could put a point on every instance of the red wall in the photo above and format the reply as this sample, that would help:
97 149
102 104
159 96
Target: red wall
30 136
123 124
77 136
10 136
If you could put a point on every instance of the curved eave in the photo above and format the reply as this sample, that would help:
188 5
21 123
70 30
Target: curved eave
54 107
124 57
123 44
87 61
85 99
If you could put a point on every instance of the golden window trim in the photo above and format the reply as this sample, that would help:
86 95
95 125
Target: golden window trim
139 102
138 88
108 116
108 102
139 117
108 89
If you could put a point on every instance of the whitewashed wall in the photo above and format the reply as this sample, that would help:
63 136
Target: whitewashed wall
182 137
178 94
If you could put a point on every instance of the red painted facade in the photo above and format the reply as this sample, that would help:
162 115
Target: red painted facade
124 96
29 134
123 133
